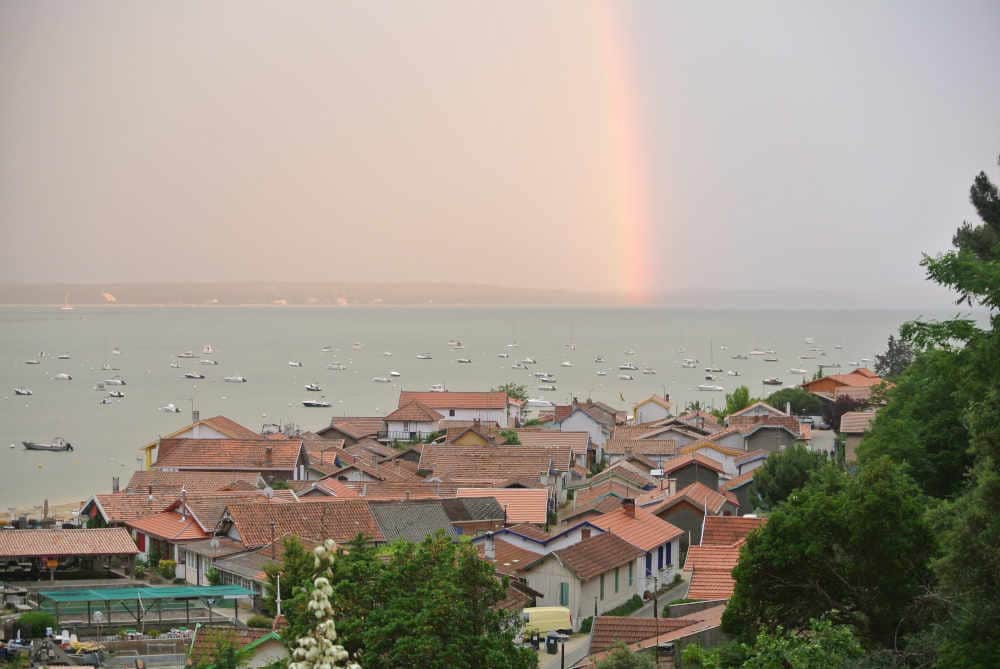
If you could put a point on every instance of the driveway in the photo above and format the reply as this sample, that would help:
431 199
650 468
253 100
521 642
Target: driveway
679 591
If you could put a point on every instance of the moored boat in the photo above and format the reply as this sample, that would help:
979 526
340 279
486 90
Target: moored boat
315 404
22 391
772 381
235 379
57 444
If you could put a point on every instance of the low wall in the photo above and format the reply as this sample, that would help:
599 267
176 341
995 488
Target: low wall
681 610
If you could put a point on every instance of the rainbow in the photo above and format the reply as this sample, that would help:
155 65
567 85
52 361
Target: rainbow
628 184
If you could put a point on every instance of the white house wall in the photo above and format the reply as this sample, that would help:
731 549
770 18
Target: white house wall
578 421
650 412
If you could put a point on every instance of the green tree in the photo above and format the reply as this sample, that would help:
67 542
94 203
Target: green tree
225 654
516 390
803 402
834 411
33 623
620 657
856 548
736 400
510 437
897 357
783 473
296 568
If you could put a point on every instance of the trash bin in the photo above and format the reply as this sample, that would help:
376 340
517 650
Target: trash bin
536 640
552 643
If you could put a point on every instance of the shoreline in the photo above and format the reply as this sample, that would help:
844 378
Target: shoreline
60 511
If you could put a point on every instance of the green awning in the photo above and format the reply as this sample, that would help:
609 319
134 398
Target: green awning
152 592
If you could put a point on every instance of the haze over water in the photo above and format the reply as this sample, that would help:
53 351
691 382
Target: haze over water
259 342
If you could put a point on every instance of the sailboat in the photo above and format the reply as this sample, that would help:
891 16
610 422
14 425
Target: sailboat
66 306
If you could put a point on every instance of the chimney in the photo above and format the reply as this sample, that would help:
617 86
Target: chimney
114 484
267 455
629 505
195 415
489 548
584 533
672 486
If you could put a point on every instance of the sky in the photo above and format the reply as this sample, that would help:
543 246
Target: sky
636 148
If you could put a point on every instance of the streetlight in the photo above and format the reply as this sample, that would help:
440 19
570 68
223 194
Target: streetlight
656 591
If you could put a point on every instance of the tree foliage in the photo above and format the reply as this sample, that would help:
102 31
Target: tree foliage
517 391
428 605
801 401
834 411
620 657
735 401
859 546
897 357
783 473
225 654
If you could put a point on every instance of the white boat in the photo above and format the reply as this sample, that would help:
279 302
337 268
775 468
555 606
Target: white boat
810 340
732 372
116 351
438 388
336 366
772 381
326 349
770 358
207 349
63 376
294 363
629 351
547 387
57 444
185 354
115 381
193 375
547 379
117 394
539 375
831 364
108 368
757 351
357 346
387 354
313 387
529 361
519 365
565 363
626 377
535 403
710 388
464 361
723 347
315 404
628 366
648 370
170 408
866 359
208 361
807 356
380 379
839 347
62 356
33 362
740 356
503 355
598 359
854 363
394 373
798 370
689 364
424 356
709 377
105 401
602 372
234 379
173 363
23 391
714 370
513 345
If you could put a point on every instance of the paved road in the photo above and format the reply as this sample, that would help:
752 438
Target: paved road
576 650
677 592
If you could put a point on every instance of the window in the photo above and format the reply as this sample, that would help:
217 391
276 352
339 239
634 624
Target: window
564 594
659 557
631 574
668 553
616 579
451 412
649 564
602 587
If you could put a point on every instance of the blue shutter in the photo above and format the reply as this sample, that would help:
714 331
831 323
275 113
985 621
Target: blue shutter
659 557
649 564
564 594
668 546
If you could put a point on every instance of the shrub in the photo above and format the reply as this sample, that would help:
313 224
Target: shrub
213 576
167 569
259 621
632 605
153 634
33 623
585 624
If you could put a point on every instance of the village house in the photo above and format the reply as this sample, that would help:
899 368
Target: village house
689 506
587 417
711 563
216 427
658 539
741 486
414 421
260 524
353 429
481 406
274 459
656 450
758 408
258 648
750 461
858 378
768 432
724 455
520 505
692 468
675 432
651 409
29 553
854 425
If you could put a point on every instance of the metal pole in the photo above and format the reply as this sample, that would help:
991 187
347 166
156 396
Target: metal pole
562 662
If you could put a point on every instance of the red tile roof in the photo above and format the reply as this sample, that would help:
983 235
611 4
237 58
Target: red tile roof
193 482
737 482
325 518
711 570
530 531
746 424
59 543
121 507
594 556
697 494
752 455
170 526
641 446
608 630
522 505
718 448
770 410
856 422
727 530
645 531
402 490
229 427
415 411
492 463
257 455
356 427
389 472
510 559
578 441
455 400
695 624
623 470
682 461
589 510
586 496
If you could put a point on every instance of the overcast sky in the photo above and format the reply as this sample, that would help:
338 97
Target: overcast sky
645 147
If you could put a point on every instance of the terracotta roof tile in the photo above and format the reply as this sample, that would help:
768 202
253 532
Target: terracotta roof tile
711 570
121 507
683 461
758 405
230 428
593 508
645 531
356 427
622 470
170 526
491 463
697 494
750 456
389 472
530 531
510 559
455 400
229 454
522 505
856 422
325 518
727 530
718 448
367 447
597 555
193 482
401 490
534 437
415 411
641 446
608 487
737 481
58 543
204 644
608 630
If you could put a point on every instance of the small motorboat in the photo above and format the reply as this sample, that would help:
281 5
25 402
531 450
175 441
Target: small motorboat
740 356
294 363
770 358
807 356
115 381
57 444
648 370
235 379
854 363
464 361
714 370
193 375
357 346
547 379
186 354
598 359
315 404
208 361
810 340
866 359
710 388
170 408
548 387
394 373
732 372
628 366
105 401
326 349
438 388
839 347
503 355
63 376
108 368
772 381
117 394
529 361
756 352
336 366
602 372
23 391
424 356
175 364
626 377
513 345
33 361
709 377
519 365
629 351
313 387
387 354
565 363
798 370
380 379
62 356
689 364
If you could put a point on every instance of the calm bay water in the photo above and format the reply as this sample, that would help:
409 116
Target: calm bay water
259 342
